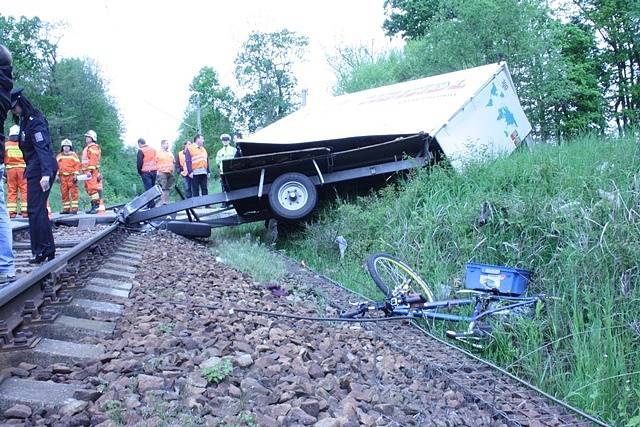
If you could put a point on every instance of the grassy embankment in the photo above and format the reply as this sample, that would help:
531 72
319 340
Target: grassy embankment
571 214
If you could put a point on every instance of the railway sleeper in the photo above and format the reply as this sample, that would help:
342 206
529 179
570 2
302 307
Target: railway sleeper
80 299
38 394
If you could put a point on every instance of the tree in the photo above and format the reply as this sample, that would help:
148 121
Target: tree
357 68
565 72
218 110
586 110
73 97
617 23
411 18
264 70
34 57
83 104
548 68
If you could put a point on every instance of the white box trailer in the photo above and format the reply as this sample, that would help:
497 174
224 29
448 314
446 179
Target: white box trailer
466 115
470 113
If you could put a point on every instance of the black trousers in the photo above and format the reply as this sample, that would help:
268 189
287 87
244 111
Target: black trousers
199 185
39 225
187 187
148 181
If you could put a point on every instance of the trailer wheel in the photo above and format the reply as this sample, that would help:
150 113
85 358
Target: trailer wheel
292 196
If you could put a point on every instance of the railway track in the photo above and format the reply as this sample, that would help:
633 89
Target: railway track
49 309
60 340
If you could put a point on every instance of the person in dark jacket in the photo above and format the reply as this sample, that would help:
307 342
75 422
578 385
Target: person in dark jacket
36 146
7 260
146 163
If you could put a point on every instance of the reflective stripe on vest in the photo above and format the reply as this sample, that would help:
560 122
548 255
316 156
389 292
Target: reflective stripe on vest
165 162
149 159
68 164
91 162
13 155
225 153
198 157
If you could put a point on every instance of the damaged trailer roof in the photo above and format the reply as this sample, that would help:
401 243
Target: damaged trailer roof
469 111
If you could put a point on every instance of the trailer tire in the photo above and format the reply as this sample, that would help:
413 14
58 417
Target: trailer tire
292 196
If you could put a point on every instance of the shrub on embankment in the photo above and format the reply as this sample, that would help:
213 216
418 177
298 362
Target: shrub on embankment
569 213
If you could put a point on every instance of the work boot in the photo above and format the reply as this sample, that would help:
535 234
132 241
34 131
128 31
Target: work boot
74 211
25 215
94 208
65 211
12 214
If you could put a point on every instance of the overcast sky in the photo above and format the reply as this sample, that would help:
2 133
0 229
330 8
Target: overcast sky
149 51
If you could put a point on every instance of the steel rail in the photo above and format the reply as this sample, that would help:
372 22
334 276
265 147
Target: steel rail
21 227
23 284
69 221
513 377
487 363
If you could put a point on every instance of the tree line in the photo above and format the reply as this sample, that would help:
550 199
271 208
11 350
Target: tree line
575 63
72 95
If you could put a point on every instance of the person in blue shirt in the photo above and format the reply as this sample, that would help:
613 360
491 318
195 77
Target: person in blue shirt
7 260
37 149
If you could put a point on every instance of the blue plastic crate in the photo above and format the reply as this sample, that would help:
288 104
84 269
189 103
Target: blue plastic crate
503 280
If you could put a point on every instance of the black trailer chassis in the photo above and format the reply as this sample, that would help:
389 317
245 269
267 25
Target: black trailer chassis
286 190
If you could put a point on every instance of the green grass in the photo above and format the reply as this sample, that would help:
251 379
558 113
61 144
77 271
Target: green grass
571 214
238 248
218 372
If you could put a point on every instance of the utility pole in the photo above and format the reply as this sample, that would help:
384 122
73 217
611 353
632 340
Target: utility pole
198 113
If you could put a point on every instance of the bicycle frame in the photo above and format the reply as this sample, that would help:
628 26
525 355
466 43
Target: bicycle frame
428 310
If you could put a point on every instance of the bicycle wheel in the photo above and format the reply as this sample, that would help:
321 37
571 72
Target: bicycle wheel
391 274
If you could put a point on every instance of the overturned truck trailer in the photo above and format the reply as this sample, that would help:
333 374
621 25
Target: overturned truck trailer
460 116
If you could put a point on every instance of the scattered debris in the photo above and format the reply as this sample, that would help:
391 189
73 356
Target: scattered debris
342 245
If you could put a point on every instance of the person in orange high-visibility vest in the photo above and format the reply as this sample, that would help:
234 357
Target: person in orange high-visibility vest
91 156
68 170
197 161
147 166
16 182
165 178
181 167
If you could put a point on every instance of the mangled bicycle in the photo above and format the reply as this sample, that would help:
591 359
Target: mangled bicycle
490 291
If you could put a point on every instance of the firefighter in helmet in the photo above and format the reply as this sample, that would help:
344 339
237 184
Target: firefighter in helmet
68 170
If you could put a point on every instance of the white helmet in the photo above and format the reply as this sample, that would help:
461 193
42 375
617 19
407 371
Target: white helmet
225 136
92 134
14 130
66 143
